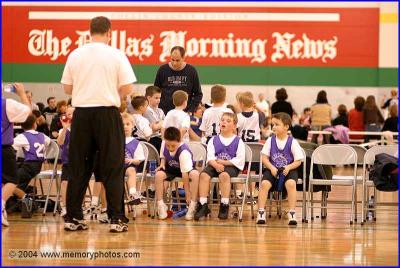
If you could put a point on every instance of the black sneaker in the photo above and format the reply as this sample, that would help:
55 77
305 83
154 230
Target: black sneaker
152 194
27 207
133 199
74 224
223 211
118 226
202 211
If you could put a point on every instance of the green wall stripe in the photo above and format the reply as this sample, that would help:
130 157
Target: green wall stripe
232 75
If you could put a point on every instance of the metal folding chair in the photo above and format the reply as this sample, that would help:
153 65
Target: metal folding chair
152 155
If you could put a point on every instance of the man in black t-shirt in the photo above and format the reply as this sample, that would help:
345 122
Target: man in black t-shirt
178 75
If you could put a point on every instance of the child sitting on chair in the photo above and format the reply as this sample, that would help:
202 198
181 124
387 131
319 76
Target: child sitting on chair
134 156
225 159
176 161
281 155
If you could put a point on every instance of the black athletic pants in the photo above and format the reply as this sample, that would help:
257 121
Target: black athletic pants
96 129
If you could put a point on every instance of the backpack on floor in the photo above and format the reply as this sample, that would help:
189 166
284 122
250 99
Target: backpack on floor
384 173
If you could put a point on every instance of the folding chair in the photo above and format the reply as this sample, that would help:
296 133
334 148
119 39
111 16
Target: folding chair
152 155
256 148
242 179
369 160
139 175
333 154
52 153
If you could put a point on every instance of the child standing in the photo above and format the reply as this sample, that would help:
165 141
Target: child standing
154 114
225 159
195 122
248 120
142 129
281 154
176 161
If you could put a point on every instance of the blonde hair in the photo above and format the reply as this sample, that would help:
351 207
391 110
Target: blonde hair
246 98
218 94
233 116
127 116
179 97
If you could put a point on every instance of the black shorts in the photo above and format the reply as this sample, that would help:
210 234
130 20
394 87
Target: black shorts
231 170
255 166
292 175
9 165
172 174
138 168
26 171
65 172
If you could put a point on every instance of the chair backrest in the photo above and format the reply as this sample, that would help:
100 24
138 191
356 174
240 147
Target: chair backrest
152 153
360 152
248 154
334 154
146 155
256 149
199 152
52 151
369 157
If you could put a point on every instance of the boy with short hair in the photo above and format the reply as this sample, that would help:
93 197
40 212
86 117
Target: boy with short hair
178 117
248 120
212 116
154 114
34 145
281 155
176 161
225 159
142 129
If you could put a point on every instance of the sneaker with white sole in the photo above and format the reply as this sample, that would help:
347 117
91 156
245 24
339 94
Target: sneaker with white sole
103 217
190 213
118 226
261 217
162 211
134 199
75 225
63 211
292 218
4 220
92 212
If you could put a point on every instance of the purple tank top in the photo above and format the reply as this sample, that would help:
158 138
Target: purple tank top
7 128
36 146
172 162
225 152
130 149
65 148
281 158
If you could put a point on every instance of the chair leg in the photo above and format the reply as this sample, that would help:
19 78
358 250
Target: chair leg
58 184
48 195
311 201
243 201
352 202
270 204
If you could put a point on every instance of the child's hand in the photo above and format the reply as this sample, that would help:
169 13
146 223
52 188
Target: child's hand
219 168
286 170
161 167
274 171
65 124
128 161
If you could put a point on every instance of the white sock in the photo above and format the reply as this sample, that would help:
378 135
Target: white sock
151 187
225 200
238 192
95 201
160 202
192 203
203 200
261 209
103 210
132 190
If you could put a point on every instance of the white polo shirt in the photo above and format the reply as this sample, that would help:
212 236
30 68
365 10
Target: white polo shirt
96 71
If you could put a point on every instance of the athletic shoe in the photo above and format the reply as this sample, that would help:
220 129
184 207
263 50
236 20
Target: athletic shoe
118 226
103 217
292 218
63 212
4 220
75 225
134 199
202 211
223 211
26 207
162 211
261 217
190 213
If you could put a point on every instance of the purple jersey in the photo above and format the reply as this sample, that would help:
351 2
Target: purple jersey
65 147
281 158
224 152
195 127
7 128
130 149
36 146
172 162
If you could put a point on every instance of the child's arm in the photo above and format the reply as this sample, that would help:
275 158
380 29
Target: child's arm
138 156
183 131
291 166
162 165
193 136
156 126
218 166
267 164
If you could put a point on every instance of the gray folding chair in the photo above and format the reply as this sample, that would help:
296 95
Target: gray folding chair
152 155
242 179
369 159
256 149
333 154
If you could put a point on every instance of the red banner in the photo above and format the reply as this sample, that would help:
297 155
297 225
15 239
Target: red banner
345 37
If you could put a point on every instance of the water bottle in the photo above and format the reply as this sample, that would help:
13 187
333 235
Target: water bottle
9 88
281 179
152 167
370 205
180 213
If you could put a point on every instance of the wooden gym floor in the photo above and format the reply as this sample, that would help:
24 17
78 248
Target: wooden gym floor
332 242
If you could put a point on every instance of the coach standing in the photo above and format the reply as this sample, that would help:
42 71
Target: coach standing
97 76
178 75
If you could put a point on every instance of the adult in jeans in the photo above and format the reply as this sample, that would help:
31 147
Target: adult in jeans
97 76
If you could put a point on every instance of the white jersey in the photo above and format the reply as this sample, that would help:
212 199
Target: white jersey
142 129
211 119
179 119
249 126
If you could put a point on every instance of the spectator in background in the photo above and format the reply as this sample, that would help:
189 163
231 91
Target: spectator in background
41 125
393 100
356 117
391 124
51 106
55 123
29 95
263 104
305 118
373 118
321 116
281 105
342 118
40 106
